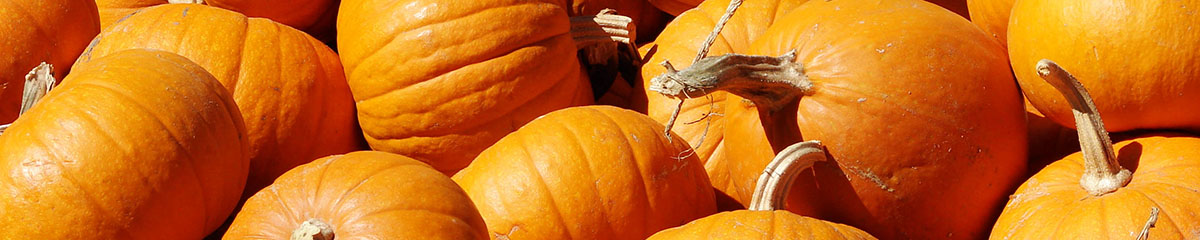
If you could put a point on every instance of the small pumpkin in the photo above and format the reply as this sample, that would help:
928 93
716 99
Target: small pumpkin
442 85
289 87
1139 65
883 85
51 31
1091 195
312 16
360 195
594 172
767 218
140 144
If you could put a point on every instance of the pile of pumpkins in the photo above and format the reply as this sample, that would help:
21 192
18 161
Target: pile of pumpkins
600 119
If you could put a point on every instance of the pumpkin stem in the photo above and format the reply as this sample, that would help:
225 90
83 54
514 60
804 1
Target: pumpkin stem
1102 173
186 1
1149 224
606 47
776 180
38 82
767 81
708 42
313 229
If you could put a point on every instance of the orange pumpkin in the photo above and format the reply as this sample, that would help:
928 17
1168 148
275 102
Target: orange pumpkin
1140 65
677 7
360 195
51 31
313 16
1090 195
141 144
289 87
595 172
766 218
992 17
883 84
442 85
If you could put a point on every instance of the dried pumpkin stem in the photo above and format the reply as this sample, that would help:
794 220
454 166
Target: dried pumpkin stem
1145 234
313 229
1102 173
38 82
776 180
767 81
599 35
704 47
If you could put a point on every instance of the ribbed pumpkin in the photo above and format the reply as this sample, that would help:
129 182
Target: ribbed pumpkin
916 106
766 218
289 87
442 85
595 172
992 17
677 7
1140 64
313 16
702 118
360 195
1089 195
141 144
51 31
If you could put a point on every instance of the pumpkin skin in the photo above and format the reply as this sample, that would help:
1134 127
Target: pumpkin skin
116 150
52 31
677 7
313 16
441 93
289 87
362 195
1139 81
992 17
1052 205
681 40
594 172
778 224
907 124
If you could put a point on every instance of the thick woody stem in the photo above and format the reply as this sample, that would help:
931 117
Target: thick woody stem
767 81
38 82
776 180
313 229
708 42
1102 173
600 34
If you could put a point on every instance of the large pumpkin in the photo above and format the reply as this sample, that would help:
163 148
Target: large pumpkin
442 85
314 16
677 7
1139 65
360 195
596 172
51 31
767 218
1090 195
924 146
289 87
141 144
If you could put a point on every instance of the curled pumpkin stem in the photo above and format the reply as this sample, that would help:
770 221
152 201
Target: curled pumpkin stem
1145 234
1102 173
777 179
701 54
313 229
38 82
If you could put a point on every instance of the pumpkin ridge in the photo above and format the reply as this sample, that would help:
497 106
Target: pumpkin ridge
528 159
190 161
1162 214
291 212
574 136
636 167
336 204
24 10
82 192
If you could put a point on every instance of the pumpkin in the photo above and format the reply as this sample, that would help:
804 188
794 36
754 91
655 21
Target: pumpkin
1091 195
140 144
1048 141
1139 65
313 16
701 121
594 172
677 7
288 86
360 195
766 218
443 85
992 17
52 31
908 125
